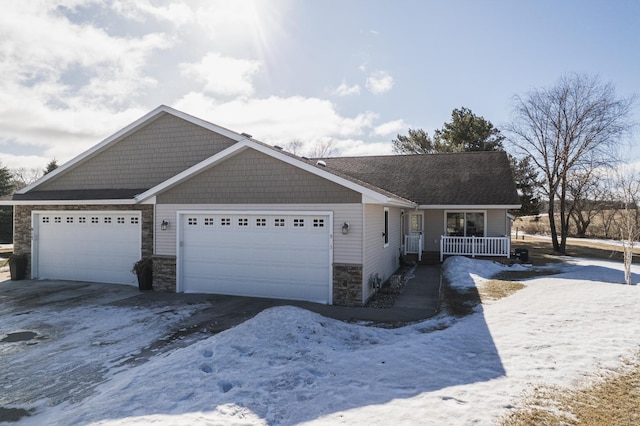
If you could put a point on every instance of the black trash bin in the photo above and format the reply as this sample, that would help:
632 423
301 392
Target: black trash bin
522 254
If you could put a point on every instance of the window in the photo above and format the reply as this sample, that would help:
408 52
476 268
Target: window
120 220
278 222
192 221
45 219
298 223
225 221
243 221
208 221
94 220
318 223
82 219
107 220
134 220
465 224
261 222
385 233
69 219
57 219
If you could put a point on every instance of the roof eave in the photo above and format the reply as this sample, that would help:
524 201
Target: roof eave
469 206
129 201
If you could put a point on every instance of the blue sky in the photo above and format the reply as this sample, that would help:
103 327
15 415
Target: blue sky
357 72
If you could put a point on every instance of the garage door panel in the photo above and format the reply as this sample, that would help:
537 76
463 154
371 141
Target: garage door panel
262 255
88 246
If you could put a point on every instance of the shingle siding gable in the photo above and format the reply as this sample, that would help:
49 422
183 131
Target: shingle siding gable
154 153
251 177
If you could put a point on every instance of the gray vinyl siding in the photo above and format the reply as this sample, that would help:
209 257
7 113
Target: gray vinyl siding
378 259
346 248
252 177
154 153
434 220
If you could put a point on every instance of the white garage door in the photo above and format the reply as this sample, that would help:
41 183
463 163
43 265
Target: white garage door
87 246
283 256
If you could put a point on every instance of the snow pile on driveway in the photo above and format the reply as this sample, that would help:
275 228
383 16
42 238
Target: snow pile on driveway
290 366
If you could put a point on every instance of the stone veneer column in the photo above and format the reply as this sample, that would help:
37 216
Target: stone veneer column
164 273
347 284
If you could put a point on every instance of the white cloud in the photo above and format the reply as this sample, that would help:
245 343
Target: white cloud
177 13
345 90
278 120
223 75
379 82
389 128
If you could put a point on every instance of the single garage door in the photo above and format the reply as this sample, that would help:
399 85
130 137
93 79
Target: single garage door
274 255
87 246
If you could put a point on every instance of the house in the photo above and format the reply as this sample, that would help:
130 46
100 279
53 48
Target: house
223 213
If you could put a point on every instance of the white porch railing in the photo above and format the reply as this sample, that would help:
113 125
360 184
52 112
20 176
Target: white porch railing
475 246
413 245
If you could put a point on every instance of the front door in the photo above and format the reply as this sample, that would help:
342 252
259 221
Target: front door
416 228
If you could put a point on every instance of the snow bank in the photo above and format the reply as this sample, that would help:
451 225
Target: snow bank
462 272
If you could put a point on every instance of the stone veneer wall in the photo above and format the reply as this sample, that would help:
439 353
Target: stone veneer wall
347 284
22 224
164 273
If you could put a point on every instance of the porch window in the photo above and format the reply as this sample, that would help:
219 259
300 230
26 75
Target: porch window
465 224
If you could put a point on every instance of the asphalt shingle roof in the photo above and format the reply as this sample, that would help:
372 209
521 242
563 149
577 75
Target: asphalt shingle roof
467 178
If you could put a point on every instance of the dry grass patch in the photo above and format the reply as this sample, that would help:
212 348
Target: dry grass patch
613 400
498 289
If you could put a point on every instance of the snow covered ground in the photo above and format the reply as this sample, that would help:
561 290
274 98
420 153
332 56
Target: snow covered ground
290 366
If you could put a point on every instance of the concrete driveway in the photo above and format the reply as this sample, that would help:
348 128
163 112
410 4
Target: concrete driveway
60 339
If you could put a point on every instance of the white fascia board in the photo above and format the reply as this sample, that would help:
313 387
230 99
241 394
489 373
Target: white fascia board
126 131
129 201
468 206
392 202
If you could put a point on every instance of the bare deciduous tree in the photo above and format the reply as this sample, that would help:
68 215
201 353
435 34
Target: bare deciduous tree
323 149
24 177
579 119
628 184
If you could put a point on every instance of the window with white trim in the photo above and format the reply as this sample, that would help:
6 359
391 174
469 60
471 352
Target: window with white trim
465 224
261 222
45 219
318 223
278 222
57 219
298 223
208 221
225 221
94 220
243 221
107 219
82 219
134 220
120 220
193 221
69 219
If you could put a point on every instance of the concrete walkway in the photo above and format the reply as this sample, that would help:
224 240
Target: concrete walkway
419 300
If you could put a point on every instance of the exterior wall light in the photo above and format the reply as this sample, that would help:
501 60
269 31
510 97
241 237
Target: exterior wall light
164 225
345 228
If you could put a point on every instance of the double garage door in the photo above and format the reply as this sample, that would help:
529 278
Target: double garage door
95 246
284 255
